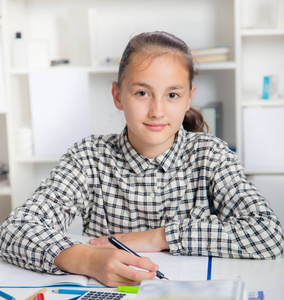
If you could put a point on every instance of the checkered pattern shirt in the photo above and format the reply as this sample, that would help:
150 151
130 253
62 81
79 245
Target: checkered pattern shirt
196 190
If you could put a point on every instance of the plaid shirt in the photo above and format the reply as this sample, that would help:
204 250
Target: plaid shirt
196 189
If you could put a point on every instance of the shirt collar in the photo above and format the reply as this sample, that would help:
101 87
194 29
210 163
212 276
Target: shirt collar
139 163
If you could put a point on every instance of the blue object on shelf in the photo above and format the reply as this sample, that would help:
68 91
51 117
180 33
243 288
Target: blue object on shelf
266 88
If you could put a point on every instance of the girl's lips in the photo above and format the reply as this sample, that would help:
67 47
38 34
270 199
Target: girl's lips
156 127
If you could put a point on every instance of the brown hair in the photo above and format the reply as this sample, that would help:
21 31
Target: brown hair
163 42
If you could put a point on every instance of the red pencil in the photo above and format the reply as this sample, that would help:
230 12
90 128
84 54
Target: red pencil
40 296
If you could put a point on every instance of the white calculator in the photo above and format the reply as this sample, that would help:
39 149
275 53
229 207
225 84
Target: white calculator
96 295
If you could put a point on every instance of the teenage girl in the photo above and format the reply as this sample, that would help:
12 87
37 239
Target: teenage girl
160 184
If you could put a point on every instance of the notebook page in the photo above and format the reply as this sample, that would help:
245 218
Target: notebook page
173 267
11 275
180 267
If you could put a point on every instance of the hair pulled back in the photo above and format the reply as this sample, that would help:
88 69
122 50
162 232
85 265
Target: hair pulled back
155 44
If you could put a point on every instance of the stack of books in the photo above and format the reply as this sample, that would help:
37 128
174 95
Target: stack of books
214 54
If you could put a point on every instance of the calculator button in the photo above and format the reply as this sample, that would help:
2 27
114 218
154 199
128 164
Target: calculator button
95 295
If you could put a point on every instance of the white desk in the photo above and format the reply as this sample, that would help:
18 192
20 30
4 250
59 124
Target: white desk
258 275
262 275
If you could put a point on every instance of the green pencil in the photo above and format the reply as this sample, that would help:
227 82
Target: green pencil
128 289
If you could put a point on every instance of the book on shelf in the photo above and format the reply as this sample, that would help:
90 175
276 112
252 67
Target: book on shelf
211 58
210 51
214 54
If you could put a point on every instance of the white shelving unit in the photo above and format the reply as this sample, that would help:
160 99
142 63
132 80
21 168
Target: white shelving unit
105 28
203 23
261 43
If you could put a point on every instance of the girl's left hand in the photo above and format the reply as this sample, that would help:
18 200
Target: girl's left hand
153 240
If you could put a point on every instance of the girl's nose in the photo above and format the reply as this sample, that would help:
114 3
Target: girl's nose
156 109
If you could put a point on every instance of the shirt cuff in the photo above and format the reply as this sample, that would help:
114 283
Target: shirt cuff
181 241
54 250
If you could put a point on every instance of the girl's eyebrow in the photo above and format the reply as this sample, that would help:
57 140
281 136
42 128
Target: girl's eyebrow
175 87
148 86
142 84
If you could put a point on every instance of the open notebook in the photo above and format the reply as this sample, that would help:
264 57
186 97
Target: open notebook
173 267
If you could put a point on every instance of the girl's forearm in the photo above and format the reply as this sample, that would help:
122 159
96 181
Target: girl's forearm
74 259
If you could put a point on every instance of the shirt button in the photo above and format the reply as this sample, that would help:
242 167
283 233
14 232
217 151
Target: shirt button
152 195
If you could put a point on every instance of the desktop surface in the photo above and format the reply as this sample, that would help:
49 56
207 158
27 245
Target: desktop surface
258 275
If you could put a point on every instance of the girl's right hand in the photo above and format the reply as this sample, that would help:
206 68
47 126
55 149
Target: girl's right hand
107 265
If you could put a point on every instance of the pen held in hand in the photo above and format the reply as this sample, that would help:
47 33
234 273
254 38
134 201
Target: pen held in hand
121 246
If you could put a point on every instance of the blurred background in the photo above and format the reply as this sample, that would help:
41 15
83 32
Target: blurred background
59 58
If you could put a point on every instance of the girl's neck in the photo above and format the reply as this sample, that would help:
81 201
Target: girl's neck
151 151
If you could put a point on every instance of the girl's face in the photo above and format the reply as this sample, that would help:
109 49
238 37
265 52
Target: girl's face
154 95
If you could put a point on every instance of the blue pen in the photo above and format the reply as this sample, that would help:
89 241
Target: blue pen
75 298
72 292
6 296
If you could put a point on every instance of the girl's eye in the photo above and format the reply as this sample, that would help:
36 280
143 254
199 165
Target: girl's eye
142 94
173 95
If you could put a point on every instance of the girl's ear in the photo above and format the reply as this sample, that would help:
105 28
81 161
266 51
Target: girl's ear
116 95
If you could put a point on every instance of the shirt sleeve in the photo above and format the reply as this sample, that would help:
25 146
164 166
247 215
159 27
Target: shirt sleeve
34 234
240 222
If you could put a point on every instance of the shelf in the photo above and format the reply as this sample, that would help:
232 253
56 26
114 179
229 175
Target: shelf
226 65
57 69
104 69
38 159
112 69
5 190
262 32
262 103
99 69
272 171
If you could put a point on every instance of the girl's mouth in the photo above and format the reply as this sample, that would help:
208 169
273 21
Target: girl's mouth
156 127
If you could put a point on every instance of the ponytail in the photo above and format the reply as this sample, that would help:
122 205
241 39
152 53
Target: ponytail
194 121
